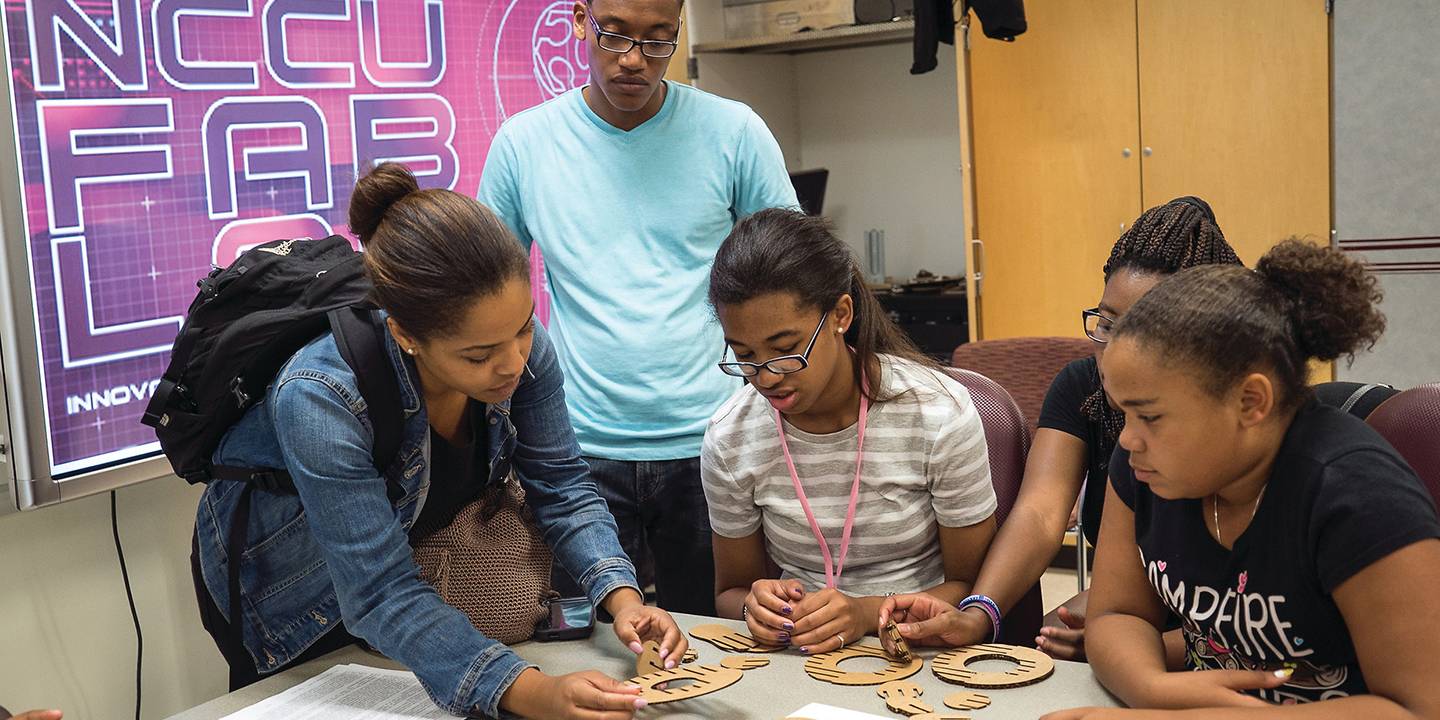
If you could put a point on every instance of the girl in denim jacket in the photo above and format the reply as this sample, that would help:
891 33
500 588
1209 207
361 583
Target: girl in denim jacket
334 562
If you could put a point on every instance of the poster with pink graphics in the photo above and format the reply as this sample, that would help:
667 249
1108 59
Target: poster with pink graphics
156 138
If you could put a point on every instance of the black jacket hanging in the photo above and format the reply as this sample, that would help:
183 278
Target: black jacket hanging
935 23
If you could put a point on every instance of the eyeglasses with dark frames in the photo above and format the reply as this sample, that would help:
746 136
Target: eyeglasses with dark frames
621 44
783 365
1097 325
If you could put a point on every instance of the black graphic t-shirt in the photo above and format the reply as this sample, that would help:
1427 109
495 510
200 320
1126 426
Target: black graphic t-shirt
1339 499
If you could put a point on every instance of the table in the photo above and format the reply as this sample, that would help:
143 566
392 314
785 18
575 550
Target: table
768 693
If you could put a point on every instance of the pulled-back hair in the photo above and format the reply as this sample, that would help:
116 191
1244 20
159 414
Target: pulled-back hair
1221 323
784 251
1171 237
429 253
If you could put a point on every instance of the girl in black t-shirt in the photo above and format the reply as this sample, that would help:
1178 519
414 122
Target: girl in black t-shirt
1297 547
1077 433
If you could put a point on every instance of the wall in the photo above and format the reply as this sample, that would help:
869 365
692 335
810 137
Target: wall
890 140
66 638
1387 175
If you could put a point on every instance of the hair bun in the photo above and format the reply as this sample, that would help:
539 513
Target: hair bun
378 189
1198 204
1331 297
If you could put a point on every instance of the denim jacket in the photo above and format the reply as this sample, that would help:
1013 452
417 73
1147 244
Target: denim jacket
340 550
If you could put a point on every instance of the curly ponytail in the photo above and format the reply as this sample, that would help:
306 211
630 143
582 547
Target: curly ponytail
1302 302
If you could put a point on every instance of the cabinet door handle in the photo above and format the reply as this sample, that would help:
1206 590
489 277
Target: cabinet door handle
1147 151
979 276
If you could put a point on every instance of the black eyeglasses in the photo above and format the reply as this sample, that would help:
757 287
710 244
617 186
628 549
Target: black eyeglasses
621 44
783 365
1097 326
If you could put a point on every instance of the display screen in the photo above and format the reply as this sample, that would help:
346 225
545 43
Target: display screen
158 138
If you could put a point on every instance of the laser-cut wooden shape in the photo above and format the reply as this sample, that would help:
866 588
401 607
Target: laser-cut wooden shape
967 700
691 655
902 648
730 640
939 716
708 679
903 697
649 659
1031 666
824 666
737 662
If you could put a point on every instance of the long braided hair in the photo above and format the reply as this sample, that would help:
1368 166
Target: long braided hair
1164 240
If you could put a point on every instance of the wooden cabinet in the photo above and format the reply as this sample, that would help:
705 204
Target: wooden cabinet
1107 107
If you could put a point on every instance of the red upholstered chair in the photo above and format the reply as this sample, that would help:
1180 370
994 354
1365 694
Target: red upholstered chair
1008 442
1411 422
1024 366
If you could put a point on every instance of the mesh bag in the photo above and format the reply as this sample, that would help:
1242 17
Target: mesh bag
491 563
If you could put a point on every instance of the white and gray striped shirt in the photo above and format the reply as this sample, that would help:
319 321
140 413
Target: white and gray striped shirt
925 465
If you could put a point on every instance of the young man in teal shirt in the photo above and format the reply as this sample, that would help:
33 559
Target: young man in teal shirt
629 185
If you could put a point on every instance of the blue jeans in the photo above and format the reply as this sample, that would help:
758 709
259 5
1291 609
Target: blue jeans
664 522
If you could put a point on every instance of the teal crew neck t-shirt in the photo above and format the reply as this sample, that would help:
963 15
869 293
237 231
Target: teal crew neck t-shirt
629 223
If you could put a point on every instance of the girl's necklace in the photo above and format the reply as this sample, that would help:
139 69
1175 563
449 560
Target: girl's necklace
1215 500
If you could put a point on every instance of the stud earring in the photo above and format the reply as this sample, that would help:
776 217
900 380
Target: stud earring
410 350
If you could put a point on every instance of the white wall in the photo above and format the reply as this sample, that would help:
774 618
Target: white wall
66 638
891 141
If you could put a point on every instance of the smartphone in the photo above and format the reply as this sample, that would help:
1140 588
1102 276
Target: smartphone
569 619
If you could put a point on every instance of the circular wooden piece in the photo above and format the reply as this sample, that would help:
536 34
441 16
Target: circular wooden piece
824 666
1031 666
967 700
730 640
737 662
708 679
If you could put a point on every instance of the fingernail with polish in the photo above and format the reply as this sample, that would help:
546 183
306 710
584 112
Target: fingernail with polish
1284 672
669 664
785 609
640 703
805 650
787 626
784 637
635 646
664 652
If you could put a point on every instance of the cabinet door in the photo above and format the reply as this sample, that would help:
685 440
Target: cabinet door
1052 116
1235 107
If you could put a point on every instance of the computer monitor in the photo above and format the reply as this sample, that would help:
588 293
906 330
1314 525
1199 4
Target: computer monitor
810 189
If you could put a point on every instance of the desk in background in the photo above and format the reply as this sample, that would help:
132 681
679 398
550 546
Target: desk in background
937 322
768 693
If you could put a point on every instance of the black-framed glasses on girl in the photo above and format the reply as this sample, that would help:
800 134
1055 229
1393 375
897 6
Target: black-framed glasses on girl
621 44
1097 326
783 365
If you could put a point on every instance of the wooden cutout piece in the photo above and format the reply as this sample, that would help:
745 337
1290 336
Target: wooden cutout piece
737 662
708 679
902 648
691 655
939 716
903 697
825 666
967 700
649 659
730 640
1031 666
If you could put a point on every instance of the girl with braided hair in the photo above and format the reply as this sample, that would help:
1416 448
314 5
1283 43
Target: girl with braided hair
1077 432
1299 550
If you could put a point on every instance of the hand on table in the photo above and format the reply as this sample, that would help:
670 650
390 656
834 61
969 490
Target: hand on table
829 620
770 610
924 619
1064 643
588 695
32 715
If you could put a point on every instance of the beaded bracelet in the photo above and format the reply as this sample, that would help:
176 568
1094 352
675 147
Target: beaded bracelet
990 608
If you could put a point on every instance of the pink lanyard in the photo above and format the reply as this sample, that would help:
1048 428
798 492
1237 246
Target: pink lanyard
831 579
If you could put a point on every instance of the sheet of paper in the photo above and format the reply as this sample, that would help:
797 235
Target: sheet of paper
349 692
821 711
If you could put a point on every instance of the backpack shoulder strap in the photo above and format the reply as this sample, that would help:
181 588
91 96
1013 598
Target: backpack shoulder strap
360 336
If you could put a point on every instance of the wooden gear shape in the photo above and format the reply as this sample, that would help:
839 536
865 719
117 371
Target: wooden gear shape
967 700
730 640
1031 666
903 697
739 662
902 648
708 679
825 666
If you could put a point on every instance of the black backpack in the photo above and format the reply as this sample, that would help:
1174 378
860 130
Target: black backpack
246 322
